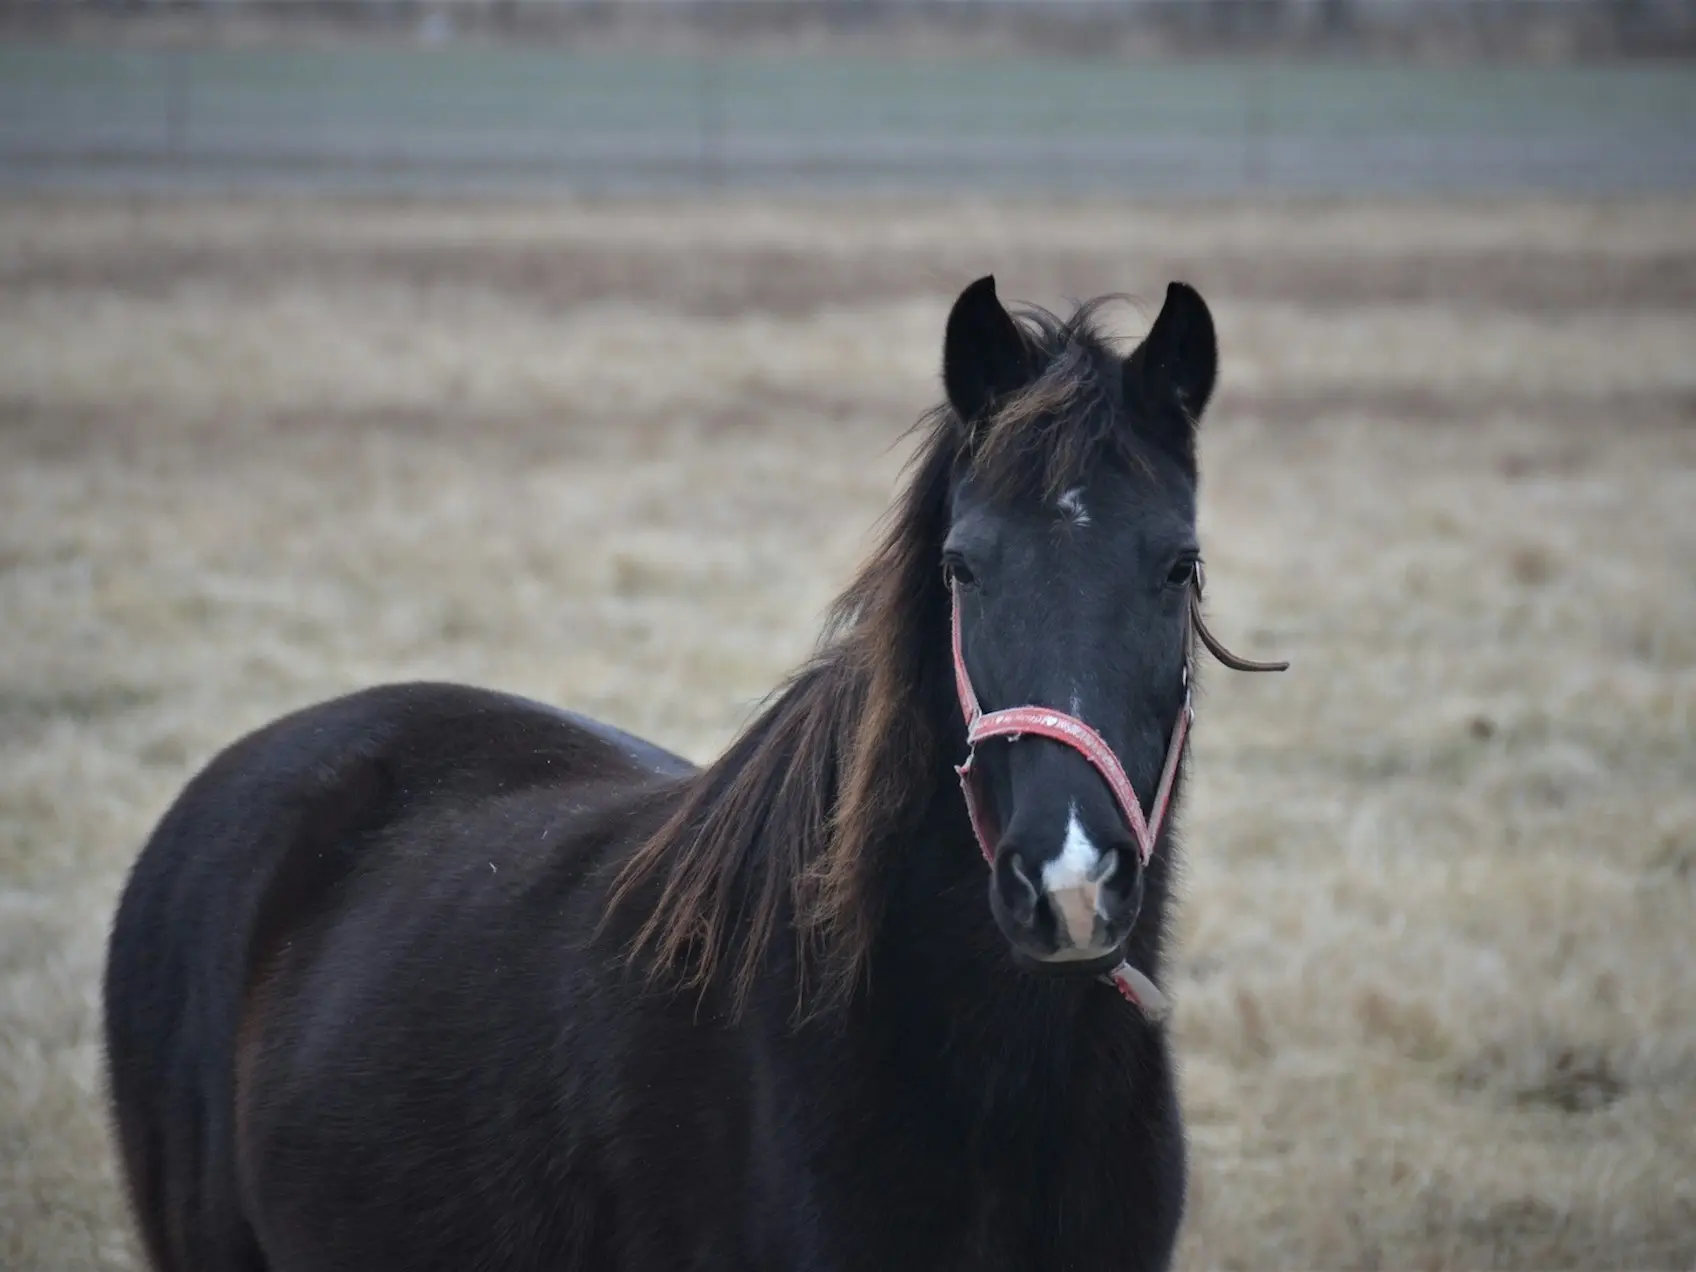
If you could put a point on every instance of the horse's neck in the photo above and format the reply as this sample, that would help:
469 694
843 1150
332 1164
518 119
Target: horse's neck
999 1047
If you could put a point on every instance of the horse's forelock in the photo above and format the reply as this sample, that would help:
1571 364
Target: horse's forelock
1047 437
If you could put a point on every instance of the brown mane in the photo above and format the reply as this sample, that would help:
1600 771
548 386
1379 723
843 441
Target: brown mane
786 826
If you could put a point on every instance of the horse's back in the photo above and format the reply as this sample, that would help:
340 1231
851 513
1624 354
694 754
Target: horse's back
277 829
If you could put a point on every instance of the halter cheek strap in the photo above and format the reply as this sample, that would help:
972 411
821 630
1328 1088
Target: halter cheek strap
1014 723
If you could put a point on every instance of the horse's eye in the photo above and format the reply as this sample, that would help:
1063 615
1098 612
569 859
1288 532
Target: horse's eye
955 569
1182 573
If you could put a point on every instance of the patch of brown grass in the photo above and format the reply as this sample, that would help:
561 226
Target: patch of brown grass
1438 924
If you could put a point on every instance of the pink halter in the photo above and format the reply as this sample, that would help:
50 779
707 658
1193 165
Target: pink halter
1014 723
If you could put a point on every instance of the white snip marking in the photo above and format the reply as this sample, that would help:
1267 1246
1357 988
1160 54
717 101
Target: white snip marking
1073 882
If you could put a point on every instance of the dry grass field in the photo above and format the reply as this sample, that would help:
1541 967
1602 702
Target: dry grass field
1438 925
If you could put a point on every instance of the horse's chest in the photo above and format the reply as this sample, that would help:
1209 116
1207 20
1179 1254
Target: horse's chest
970 1220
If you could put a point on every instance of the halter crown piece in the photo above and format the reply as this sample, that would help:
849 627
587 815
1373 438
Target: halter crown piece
1014 723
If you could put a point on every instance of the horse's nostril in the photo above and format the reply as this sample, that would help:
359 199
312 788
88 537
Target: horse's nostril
1023 896
1105 867
1120 887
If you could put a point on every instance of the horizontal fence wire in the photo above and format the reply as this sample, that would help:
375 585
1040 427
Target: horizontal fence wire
455 97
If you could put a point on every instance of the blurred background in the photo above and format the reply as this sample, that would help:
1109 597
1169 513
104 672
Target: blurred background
1128 97
570 348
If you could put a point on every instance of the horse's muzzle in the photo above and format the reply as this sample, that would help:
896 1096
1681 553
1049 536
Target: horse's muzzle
1071 913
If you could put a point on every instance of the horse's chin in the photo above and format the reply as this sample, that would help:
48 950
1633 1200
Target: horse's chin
1097 965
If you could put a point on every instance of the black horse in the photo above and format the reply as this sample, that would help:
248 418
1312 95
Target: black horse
429 977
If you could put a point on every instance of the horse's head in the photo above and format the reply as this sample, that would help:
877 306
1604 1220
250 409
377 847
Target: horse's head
1073 559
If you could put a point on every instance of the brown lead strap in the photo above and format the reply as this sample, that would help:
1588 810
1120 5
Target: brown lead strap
1212 642
1219 651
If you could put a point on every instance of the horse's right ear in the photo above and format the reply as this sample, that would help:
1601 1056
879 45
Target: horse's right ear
984 355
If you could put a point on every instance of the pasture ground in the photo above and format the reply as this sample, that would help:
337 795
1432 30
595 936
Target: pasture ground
1438 926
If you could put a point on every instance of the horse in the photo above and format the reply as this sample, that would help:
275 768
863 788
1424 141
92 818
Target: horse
434 977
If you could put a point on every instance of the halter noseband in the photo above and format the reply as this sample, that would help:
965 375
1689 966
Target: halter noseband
1014 723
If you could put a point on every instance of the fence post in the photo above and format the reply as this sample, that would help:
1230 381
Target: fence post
708 108
1257 110
179 88
708 104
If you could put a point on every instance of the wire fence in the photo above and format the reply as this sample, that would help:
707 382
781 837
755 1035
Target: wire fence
450 107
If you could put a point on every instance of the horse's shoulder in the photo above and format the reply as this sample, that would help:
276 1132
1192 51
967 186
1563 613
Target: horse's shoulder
293 802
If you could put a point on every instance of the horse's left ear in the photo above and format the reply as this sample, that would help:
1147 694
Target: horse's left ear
1169 378
984 358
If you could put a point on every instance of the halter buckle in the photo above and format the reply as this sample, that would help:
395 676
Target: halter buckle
1140 992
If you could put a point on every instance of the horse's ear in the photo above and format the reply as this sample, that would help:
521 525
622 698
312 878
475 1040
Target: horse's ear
984 356
1169 378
